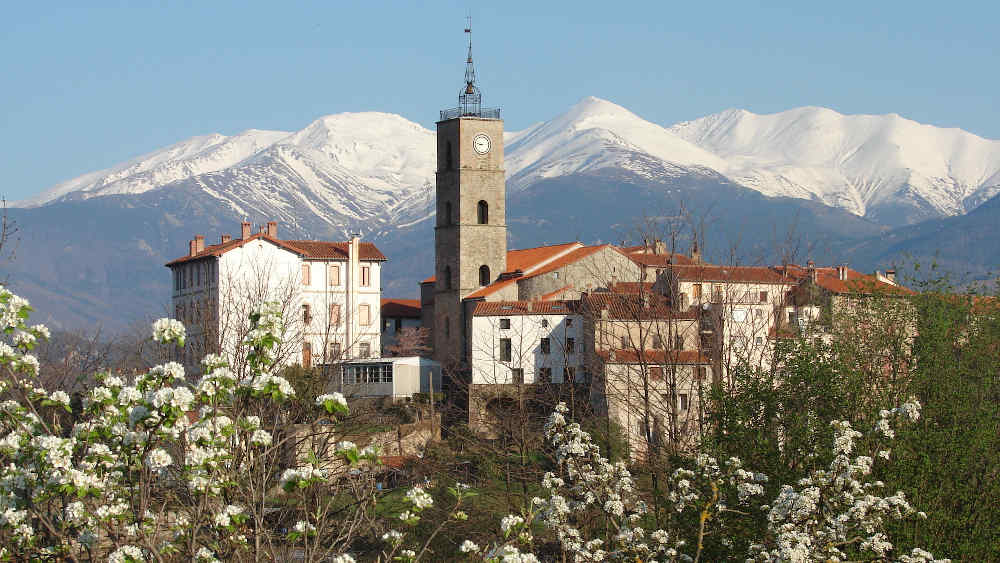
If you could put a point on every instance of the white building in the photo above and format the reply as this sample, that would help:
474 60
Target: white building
329 294
398 314
398 378
526 342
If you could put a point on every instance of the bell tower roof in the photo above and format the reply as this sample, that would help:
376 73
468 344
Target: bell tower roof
470 98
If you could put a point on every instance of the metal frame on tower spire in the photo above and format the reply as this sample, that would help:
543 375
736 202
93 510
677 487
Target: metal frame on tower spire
470 98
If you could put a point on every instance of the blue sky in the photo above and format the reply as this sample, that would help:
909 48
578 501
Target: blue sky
87 85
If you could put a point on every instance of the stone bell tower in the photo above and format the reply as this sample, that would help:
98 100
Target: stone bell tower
470 237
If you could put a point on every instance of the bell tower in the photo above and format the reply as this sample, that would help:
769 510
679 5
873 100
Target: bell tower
470 236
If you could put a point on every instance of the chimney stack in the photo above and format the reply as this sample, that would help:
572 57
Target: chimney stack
811 270
695 252
245 230
226 238
660 247
272 229
199 243
842 272
891 276
192 247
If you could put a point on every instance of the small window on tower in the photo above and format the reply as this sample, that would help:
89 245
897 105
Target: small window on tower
483 212
446 220
484 275
447 277
449 158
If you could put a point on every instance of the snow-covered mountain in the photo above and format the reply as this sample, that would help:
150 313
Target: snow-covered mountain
870 165
92 249
377 168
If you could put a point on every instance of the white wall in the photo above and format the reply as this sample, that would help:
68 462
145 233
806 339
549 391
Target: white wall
525 334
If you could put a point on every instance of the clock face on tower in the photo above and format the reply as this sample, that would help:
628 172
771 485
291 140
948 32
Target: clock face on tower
481 143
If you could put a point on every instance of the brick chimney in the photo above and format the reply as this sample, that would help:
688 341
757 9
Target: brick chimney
199 242
245 230
659 247
891 276
226 238
272 229
192 247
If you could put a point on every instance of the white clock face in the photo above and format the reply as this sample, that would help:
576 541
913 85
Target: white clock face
482 143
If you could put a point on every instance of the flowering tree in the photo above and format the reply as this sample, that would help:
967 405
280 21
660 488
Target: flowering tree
159 469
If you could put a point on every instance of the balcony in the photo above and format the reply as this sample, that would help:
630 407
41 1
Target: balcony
484 113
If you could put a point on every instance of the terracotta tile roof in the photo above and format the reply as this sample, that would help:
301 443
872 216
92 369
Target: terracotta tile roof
512 308
336 250
745 274
529 258
556 293
655 356
491 289
631 307
406 308
856 282
661 260
570 257
396 461
307 248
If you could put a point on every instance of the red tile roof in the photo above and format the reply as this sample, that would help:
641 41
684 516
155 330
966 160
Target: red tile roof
310 249
856 282
660 259
744 274
631 306
556 293
655 357
512 308
528 258
406 308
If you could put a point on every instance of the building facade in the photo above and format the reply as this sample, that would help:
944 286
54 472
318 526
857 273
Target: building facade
329 294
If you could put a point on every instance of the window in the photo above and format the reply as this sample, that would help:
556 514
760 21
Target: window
446 275
678 342
398 325
333 274
197 274
482 213
333 351
555 275
624 341
569 322
696 291
366 276
569 374
364 314
544 375
700 372
449 158
683 401
763 297
484 275
505 350
335 314
517 375
364 350
656 373
759 341
305 275
657 341
306 313
306 355
504 324
791 317
446 220
545 346
717 293
570 345
545 323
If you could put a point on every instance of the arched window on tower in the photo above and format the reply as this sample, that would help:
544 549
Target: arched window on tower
447 277
483 212
446 220
449 159
484 275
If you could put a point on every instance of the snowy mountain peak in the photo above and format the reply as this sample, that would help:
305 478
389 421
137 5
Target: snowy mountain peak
856 162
